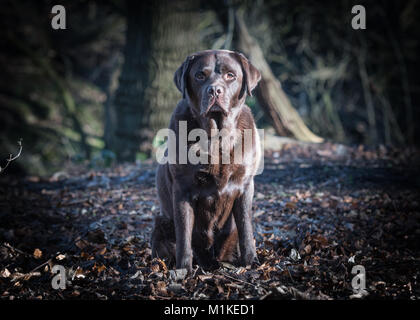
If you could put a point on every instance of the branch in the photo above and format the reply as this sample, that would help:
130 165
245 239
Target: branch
270 95
11 157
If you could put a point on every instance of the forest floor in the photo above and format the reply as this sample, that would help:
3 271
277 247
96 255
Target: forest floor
318 212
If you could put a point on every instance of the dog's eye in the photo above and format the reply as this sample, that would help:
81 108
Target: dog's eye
200 76
230 76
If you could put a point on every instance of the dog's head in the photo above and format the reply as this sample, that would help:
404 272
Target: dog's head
216 83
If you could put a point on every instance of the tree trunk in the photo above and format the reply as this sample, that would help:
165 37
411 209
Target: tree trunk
130 111
159 38
175 36
109 107
277 107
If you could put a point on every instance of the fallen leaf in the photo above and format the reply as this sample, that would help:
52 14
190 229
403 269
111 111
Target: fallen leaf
294 255
291 205
37 253
178 274
60 257
99 268
161 288
5 273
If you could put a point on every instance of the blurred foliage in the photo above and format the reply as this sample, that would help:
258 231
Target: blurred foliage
103 159
53 83
57 87
322 64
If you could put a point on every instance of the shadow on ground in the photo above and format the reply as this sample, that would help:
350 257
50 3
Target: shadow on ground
319 211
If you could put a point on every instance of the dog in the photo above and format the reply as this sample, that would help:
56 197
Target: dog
206 209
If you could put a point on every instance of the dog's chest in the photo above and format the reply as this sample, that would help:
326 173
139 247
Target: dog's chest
217 188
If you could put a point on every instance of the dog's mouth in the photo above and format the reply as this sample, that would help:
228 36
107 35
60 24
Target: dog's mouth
215 119
215 114
213 105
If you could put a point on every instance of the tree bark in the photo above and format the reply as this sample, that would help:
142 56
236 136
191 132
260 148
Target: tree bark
159 37
109 110
274 102
175 36
131 114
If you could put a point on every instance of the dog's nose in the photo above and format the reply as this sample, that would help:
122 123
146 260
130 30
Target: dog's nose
215 90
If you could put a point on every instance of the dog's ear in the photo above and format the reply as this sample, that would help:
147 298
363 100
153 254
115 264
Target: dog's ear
251 75
181 74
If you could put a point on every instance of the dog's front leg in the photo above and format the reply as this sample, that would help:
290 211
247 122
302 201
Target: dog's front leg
242 211
184 221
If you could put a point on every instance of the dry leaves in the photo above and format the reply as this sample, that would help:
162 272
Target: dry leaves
318 212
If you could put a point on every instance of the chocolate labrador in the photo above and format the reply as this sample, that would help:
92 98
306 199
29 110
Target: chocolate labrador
206 208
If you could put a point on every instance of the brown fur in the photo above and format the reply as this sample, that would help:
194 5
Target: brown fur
206 209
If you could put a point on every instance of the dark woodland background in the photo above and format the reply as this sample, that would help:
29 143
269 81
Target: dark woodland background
341 179
98 91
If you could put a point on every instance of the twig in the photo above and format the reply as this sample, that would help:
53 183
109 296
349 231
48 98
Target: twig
41 265
7 245
290 275
11 157
364 77
240 280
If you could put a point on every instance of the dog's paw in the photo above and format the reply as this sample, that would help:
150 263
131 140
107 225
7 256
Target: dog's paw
255 263
185 263
250 259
